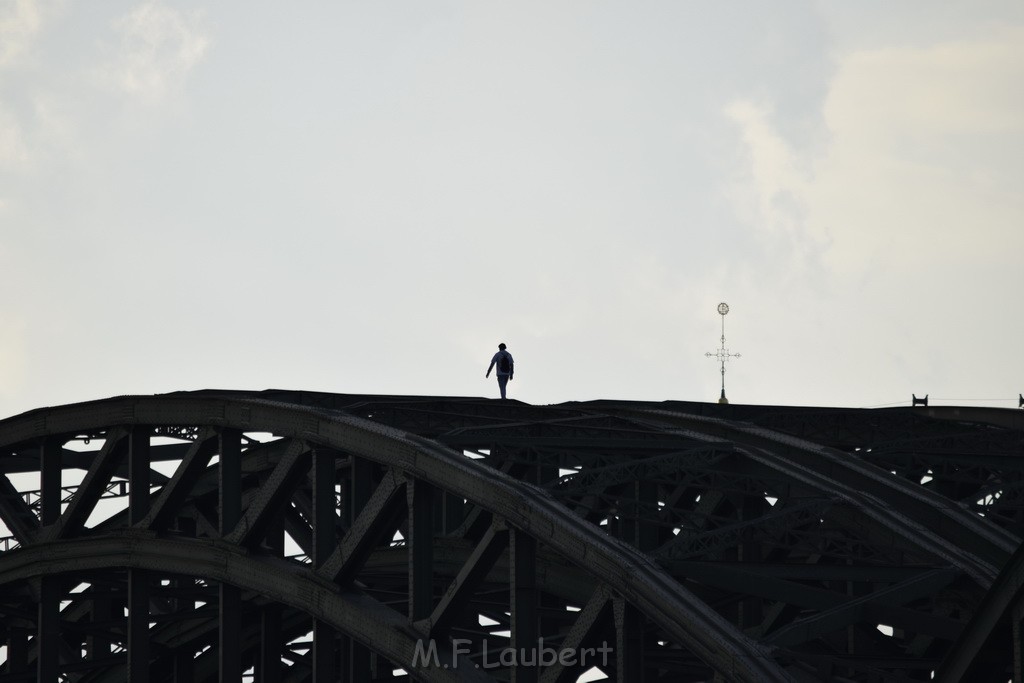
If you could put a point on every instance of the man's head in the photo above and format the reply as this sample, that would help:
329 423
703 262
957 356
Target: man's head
501 346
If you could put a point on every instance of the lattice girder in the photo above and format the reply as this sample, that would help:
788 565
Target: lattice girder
332 535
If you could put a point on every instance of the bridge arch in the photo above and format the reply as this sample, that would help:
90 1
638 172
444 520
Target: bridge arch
396 477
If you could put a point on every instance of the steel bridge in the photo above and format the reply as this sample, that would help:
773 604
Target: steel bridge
294 536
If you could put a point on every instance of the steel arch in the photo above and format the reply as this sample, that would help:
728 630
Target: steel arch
525 509
350 611
743 542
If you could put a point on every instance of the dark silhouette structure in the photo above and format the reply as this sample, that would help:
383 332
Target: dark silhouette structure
504 367
293 536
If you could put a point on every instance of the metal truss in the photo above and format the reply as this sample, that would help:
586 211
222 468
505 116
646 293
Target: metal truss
297 536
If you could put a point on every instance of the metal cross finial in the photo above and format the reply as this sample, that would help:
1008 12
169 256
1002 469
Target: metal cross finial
722 355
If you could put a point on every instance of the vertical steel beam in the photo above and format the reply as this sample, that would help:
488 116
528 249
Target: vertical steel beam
184 665
17 651
647 527
355 655
182 662
854 632
230 479
629 642
230 471
48 650
453 514
138 579
524 599
50 472
1017 617
325 521
361 486
546 472
539 470
138 626
628 515
751 612
325 509
324 651
421 548
138 474
98 643
228 636
269 668
359 667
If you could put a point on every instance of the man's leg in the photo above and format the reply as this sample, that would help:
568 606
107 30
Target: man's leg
502 381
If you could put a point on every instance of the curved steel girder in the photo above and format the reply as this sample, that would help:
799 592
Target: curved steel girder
662 600
923 518
1001 607
910 534
348 610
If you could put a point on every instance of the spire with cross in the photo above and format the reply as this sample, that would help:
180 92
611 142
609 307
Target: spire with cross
722 355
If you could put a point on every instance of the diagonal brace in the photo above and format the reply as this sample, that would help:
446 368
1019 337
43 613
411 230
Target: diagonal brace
473 572
16 513
883 604
174 493
380 515
582 631
292 467
92 487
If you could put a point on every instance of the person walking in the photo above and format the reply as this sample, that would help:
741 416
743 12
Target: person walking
506 367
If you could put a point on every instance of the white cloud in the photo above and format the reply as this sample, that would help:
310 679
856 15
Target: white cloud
878 200
158 48
899 236
961 87
919 168
775 180
13 150
20 21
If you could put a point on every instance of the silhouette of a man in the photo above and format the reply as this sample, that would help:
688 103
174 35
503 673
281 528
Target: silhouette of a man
506 367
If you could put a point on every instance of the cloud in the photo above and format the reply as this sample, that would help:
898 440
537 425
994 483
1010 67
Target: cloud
20 22
13 150
775 177
920 164
918 168
159 47
896 238
960 87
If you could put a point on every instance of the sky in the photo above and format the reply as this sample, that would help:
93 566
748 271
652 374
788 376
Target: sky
367 197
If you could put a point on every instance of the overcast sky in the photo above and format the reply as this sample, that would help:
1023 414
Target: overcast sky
366 197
